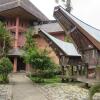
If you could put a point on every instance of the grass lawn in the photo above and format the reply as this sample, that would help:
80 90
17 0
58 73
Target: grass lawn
0 78
54 79
2 81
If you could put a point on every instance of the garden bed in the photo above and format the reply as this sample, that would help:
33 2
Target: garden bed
65 91
37 79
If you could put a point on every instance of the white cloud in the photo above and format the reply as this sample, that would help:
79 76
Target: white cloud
46 6
86 10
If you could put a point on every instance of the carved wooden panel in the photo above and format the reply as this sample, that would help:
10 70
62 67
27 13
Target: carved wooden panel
64 61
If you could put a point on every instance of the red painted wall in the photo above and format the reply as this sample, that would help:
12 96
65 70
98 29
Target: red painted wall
59 35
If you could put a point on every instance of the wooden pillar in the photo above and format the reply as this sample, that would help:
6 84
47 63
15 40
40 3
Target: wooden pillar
72 71
17 32
27 68
15 65
81 70
86 65
63 74
16 43
77 71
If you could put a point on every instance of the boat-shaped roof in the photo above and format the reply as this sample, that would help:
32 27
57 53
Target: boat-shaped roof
22 8
89 32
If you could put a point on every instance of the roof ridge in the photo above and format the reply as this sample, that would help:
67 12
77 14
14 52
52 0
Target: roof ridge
81 20
11 2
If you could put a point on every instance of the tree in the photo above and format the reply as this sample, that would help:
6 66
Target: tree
67 4
5 68
30 46
38 59
94 89
30 42
5 40
33 55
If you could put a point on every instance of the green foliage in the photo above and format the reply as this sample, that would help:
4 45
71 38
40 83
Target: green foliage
52 80
30 47
41 61
67 4
5 68
30 42
38 59
45 74
68 39
48 74
5 40
94 89
30 53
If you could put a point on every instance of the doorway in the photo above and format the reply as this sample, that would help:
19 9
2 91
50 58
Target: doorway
20 65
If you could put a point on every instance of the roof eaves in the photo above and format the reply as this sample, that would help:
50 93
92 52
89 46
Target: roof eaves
62 49
23 4
28 6
8 5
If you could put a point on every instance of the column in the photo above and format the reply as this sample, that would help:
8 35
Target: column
17 32
27 68
15 65
16 43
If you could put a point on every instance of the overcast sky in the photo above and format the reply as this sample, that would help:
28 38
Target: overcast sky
86 10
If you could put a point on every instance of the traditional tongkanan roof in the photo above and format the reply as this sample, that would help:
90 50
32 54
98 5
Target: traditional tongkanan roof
85 36
67 48
22 8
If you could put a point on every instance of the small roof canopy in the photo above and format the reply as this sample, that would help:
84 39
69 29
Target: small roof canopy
16 52
23 8
67 48
50 27
83 34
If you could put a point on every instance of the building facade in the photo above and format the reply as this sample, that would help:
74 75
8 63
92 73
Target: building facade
19 15
86 38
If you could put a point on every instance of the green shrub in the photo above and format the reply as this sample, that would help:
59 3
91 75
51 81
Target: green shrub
41 61
5 68
37 79
47 74
94 89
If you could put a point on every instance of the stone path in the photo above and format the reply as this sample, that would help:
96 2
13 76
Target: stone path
5 92
23 89
66 92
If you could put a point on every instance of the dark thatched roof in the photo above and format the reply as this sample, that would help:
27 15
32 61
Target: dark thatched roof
22 8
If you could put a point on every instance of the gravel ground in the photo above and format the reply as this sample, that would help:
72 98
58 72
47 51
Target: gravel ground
5 92
66 92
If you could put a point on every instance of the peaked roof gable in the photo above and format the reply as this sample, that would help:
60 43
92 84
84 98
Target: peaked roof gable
66 47
91 33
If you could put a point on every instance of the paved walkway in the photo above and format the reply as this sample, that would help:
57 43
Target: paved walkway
23 89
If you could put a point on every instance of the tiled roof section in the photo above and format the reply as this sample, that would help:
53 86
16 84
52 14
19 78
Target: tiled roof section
50 27
25 4
67 48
